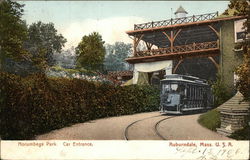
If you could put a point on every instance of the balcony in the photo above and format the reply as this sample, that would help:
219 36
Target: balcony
190 19
179 49
203 49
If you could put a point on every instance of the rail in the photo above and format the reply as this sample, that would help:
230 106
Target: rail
179 49
194 18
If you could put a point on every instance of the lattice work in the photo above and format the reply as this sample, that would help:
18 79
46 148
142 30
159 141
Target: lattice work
179 49
195 18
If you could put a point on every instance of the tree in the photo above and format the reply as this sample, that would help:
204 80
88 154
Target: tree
116 55
43 41
13 32
237 8
243 71
66 59
90 52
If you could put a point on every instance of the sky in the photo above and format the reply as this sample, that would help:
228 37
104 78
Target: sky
74 19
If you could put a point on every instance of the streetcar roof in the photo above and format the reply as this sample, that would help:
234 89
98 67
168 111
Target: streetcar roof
184 78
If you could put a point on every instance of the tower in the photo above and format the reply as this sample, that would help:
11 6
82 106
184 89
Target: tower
180 12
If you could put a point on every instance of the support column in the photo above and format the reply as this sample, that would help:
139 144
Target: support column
171 38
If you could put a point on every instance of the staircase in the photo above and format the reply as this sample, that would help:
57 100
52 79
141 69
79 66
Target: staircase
234 114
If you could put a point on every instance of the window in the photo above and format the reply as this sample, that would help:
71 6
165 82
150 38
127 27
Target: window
239 31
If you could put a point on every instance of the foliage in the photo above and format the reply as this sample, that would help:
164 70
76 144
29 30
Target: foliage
220 93
242 134
57 71
116 55
236 7
243 72
66 58
37 104
90 52
210 119
43 41
13 32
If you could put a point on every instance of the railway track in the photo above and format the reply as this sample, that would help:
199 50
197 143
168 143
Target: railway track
126 131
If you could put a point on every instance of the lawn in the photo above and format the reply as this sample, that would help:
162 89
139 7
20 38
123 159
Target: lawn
210 119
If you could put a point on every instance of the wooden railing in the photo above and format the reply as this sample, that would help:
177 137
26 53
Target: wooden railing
194 18
179 49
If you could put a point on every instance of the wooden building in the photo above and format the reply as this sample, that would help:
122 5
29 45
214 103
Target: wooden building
198 45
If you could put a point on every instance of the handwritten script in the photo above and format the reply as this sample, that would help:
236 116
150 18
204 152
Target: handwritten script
209 153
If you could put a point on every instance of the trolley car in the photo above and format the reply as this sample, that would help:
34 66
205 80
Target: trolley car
180 93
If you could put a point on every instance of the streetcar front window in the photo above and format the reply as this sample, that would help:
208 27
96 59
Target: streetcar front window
165 88
174 87
169 88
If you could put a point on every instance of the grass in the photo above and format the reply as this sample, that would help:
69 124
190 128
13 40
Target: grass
210 119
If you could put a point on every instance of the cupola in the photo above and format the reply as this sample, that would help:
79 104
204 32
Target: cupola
180 12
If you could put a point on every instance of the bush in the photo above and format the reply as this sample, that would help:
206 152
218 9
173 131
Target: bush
242 134
37 104
210 119
220 92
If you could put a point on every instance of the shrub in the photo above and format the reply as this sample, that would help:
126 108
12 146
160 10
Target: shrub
220 92
242 134
210 119
37 104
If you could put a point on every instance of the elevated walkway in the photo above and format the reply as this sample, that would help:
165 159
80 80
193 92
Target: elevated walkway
234 114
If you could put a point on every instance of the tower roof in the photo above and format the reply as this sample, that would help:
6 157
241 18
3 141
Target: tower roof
180 10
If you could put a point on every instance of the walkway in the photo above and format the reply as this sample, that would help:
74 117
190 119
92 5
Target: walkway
177 128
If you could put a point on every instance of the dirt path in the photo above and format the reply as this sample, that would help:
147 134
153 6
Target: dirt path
100 129
177 128
145 130
187 128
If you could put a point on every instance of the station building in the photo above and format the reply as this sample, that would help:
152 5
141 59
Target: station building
199 45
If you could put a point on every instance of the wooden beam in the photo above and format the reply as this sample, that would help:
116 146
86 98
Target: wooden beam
175 68
149 45
136 42
216 32
172 41
177 33
214 62
167 35
171 38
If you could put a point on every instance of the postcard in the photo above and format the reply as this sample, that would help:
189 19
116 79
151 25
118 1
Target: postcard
124 80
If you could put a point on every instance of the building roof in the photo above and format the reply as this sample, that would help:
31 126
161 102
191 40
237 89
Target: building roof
180 10
186 24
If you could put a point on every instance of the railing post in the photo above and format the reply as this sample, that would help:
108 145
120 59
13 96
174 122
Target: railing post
193 18
217 13
171 21
134 26
152 23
